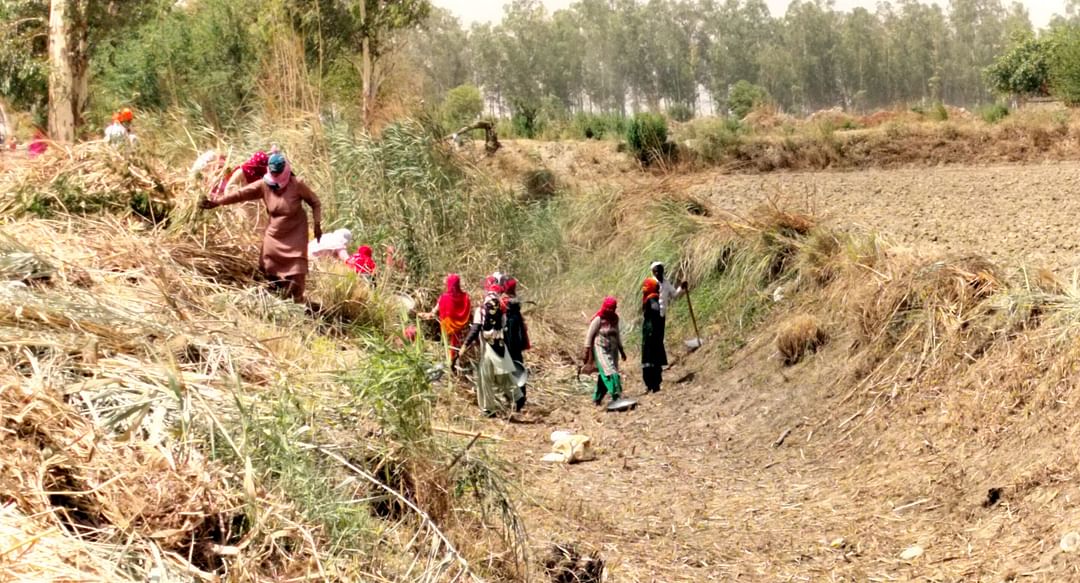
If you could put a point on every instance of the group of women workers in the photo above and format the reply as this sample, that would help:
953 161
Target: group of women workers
496 325
604 346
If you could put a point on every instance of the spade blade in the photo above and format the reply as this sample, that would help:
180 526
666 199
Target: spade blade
622 405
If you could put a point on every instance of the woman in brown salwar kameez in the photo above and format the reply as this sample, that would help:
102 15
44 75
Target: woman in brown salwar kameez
284 256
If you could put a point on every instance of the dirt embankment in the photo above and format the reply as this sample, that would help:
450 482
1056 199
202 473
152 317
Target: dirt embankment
895 147
930 439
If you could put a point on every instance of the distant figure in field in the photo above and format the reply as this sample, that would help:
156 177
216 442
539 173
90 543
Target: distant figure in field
498 386
119 132
284 257
39 144
517 333
249 172
453 312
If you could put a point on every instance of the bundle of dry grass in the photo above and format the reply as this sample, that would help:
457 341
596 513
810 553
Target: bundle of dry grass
56 466
799 336
773 217
566 563
19 263
345 296
89 178
32 550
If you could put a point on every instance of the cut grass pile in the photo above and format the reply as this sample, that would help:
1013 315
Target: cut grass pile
170 416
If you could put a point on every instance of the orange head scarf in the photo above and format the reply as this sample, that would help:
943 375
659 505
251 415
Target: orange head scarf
650 289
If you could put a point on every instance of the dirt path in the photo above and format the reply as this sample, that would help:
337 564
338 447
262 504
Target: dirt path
687 488
693 486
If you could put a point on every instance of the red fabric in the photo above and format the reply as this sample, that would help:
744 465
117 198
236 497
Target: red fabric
608 311
219 186
361 261
454 303
491 283
509 290
255 168
650 289
38 146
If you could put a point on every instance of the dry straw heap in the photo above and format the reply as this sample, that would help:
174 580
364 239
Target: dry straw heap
146 377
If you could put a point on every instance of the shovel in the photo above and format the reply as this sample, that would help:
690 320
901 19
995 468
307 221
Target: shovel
695 342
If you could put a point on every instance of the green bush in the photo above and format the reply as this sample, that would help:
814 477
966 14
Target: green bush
1065 64
597 126
646 136
551 118
205 57
715 139
993 113
938 112
680 112
24 74
524 124
1023 70
744 96
462 106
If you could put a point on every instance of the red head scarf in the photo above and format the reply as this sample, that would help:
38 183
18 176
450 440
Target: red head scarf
608 311
255 168
361 261
454 307
650 289
510 288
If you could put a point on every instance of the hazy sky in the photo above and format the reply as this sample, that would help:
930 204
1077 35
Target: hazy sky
488 10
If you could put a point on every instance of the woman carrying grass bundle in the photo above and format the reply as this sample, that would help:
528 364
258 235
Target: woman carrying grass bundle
656 296
603 347
284 256
497 384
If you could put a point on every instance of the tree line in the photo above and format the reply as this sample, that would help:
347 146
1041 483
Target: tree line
76 59
618 56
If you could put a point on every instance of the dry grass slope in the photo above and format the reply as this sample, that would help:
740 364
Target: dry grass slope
166 415
799 336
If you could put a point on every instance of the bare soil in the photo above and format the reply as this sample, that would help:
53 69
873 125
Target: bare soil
761 472
1014 214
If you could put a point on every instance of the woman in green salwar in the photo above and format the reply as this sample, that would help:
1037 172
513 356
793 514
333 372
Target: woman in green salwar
603 347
